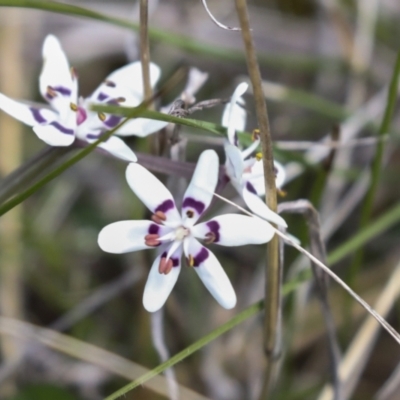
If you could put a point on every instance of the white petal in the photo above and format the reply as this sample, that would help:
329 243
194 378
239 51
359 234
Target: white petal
152 192
234 165
141 127
247 152
127 78
258 207
234 117
200 191
55 134
212 274
57 75
280 174
126 236
116 147
159 286
257 181
235 230
29 115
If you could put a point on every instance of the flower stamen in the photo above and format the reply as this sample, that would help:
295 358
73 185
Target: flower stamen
102 116
73 107
51 93
152 239
191 261
158 217
165 266
210 238
255 135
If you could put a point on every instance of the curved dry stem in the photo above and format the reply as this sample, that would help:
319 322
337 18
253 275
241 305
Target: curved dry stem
216 22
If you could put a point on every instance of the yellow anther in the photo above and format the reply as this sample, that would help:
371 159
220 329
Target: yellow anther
121 99
102 116
191 261
281 193
73 107
259 156
255 135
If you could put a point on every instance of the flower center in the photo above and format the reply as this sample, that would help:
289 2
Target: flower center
80 115
181 232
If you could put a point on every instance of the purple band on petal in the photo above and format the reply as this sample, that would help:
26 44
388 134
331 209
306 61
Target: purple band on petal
175 261
214 228
37 116
165 206
250 188
112 121
199 206
62 90
200 257
154 229
101 96
93 135
61 128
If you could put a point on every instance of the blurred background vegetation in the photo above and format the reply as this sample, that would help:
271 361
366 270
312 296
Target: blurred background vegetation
326 65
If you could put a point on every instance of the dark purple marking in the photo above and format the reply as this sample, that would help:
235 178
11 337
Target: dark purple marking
110 83
113 102
175 261
37 116
62 90
200 257
61 128
165 206
93 135
112 121
154 229
214 228
199 206
250 188
101 96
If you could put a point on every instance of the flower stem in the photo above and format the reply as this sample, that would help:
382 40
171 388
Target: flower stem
273 268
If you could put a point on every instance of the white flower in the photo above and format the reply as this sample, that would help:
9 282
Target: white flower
246 173
174 233
69 117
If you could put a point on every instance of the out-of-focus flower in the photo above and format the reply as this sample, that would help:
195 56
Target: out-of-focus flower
245 171
70 118
174 233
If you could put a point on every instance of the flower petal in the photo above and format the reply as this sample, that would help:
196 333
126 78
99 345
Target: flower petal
57 83
234 165
159 286
127 236
152 192
280 174
29 115
258 207
200 191
211 273
141 127
125 79
55 134
234 117
115 146
234 230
